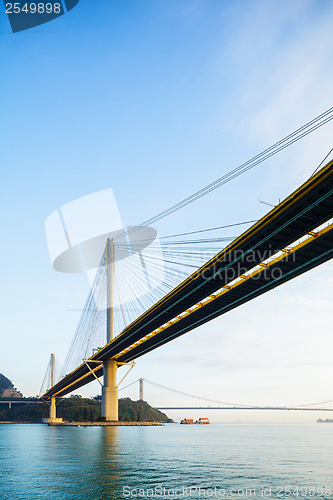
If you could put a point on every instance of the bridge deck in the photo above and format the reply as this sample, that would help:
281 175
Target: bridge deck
193 302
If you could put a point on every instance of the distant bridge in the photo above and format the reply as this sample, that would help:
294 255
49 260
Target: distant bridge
167 393
291 408
20 402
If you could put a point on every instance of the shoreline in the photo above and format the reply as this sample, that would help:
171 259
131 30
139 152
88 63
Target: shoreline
105 424
91 424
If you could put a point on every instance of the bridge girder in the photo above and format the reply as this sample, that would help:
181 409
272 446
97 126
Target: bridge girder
296 217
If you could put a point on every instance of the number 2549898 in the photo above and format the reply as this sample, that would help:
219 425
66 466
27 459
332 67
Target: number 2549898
33 8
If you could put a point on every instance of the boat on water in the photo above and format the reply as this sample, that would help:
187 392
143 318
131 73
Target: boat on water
328 420
190 421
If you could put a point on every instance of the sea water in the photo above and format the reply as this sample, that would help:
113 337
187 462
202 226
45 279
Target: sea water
171 461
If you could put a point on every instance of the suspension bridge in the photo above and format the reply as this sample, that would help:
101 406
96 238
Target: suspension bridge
294 237
162 397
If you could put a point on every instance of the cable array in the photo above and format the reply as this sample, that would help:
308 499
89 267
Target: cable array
287 141
91 330
142 275
47 381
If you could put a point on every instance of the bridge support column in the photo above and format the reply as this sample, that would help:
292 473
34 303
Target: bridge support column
110 391
52 420
53 410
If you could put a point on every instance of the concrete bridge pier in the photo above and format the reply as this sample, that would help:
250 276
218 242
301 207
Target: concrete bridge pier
52 420
110 391
53 410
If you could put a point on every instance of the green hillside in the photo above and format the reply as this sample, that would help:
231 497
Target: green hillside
7 389
79 409
5 383
75 408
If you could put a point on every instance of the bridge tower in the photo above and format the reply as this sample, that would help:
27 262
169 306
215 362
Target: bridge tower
53 409
52 420
141 389
110 389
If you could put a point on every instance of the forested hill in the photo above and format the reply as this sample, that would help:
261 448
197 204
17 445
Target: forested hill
133 411
77 409
74 408
7 389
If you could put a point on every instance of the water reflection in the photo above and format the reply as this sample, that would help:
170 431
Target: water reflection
96 467
109 463
96 463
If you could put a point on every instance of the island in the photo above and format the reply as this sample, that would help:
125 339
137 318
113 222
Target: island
74 409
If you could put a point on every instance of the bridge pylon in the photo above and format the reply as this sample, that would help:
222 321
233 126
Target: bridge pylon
52 420
110 390
141 389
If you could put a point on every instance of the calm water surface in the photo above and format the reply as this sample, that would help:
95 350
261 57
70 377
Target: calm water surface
41 462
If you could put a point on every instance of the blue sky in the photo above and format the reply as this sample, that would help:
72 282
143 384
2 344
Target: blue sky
156 99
